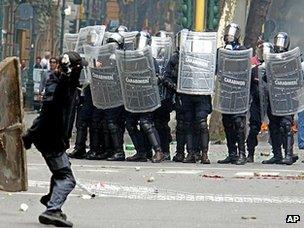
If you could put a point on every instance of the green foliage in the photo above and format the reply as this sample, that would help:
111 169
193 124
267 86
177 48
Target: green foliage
213 14
187 16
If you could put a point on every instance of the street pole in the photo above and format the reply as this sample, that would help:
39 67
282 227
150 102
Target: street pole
199 15
87 12
29 102
62 25
1 23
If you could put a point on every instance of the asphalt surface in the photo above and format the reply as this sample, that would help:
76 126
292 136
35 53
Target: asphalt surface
167 194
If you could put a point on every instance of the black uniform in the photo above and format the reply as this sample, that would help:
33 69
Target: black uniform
191 111
115 121
255 121
235 131
141 127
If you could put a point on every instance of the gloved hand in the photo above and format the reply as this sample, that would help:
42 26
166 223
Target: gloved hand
65 64
27 142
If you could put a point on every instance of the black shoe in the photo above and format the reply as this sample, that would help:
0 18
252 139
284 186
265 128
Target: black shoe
149 154
250 158
137 158
228 160
179 157
167 157
93 155
241 160
273 160
158 157
117 157
190 158
78 154
289 160
45 199
56 218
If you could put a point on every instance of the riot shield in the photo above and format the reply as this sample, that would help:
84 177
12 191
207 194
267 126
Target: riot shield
161 51
105 84
90 35
70 41
138 80
13 172
285 82
129 38
233 81
197 64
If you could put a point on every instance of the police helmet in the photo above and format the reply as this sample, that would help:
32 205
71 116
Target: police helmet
281 42
232 33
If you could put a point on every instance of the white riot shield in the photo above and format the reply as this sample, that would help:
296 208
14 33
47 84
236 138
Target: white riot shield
232 89
107 35
138 80
90 35
69 41
105 84
161 51
129 39
197 64
285 82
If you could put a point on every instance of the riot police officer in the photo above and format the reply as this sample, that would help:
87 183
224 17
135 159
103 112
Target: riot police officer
234 124
255 121
115 117
170 81
162 114
145 120
281 126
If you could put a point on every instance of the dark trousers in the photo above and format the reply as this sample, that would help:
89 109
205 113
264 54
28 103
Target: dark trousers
62 180
255 121
195 109
161 119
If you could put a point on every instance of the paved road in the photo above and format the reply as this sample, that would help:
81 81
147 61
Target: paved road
167 194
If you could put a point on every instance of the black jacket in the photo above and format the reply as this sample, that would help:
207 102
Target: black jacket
49 129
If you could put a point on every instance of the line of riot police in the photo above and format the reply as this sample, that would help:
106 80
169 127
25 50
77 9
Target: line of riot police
134 81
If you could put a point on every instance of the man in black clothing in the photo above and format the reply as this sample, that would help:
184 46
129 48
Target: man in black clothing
48 134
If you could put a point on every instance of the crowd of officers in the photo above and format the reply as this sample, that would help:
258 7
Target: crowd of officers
150 131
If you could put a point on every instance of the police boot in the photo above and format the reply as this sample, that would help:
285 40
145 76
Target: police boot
56 218
117 140
81 136
276 159
289 157
158 156
137 158
153 138
241 159
179 157
241 135
204 135
95 151
190 158
120 156
230 137
250 157
230 159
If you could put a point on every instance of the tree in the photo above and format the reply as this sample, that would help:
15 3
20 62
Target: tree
256 18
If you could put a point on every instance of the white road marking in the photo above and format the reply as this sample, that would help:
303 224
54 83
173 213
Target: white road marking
179 172
97 170
237 169
148 193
